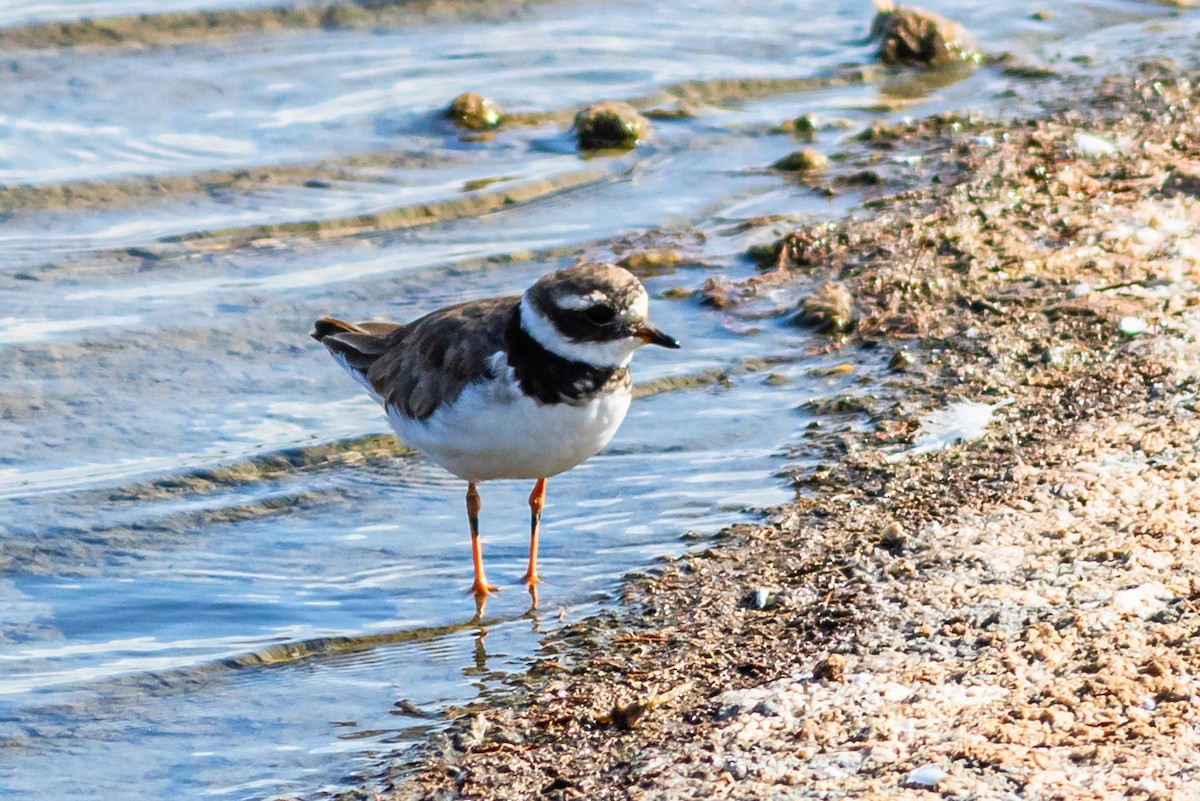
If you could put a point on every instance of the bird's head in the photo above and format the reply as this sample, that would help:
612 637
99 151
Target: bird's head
597 314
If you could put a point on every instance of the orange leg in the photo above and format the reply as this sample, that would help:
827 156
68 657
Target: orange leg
480 588
537 499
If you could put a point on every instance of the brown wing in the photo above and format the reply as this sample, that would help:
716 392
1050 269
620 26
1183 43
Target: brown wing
432 359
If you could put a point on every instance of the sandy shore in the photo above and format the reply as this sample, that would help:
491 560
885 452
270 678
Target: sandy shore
1012 617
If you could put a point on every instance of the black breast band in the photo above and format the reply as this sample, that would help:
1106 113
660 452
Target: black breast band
550 378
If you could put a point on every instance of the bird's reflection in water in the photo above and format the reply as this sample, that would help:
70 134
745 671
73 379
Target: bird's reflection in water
479 666
480 652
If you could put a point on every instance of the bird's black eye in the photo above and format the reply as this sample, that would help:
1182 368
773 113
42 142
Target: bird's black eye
600 314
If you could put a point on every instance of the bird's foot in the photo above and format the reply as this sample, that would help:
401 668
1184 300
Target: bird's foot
481 590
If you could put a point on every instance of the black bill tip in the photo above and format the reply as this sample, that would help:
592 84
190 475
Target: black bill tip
652 336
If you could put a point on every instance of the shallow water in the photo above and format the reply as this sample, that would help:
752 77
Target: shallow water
218 579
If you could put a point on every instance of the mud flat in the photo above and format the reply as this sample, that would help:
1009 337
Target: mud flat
1012 616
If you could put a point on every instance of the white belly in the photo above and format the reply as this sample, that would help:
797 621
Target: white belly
493 431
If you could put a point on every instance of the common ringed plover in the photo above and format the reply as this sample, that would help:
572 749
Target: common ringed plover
514 387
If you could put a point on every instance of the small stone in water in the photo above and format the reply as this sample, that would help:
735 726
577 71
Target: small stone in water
1132 326
901 360
830 308
925 776
806 160
610 124
474 112
915 36
1081 290
805 126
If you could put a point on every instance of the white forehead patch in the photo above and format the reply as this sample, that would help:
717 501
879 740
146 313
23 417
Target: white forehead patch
579 302
641 305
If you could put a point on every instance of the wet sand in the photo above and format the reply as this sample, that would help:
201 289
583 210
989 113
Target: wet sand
1014 616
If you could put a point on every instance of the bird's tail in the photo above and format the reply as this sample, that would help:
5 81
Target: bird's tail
355 346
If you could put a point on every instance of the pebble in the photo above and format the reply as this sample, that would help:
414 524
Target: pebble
1091 145
893 535
1148 785
1143 600
1132 326
925 776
